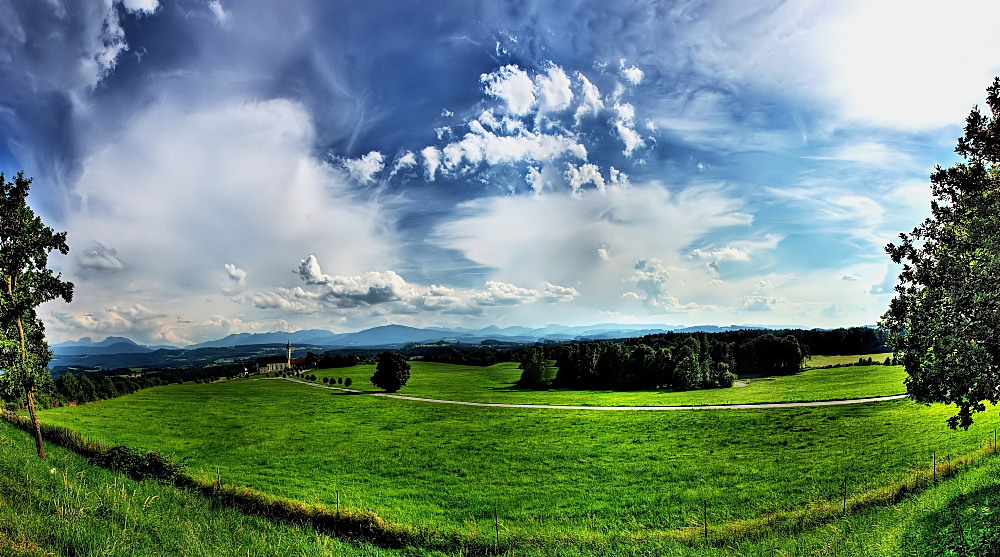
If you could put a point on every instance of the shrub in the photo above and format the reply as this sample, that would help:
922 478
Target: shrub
347 382
326 380
340 380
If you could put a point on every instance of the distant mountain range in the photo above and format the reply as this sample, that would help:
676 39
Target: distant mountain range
117 351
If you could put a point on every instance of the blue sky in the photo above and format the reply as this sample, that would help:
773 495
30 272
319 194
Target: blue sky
225 166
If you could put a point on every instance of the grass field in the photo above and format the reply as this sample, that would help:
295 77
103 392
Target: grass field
821 361
496 384
558 478
65 506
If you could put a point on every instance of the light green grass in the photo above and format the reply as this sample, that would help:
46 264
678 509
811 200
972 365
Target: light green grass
496 384
821 360
65 506
558 477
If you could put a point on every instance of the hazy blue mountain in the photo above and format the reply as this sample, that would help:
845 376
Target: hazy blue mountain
110 345
123 352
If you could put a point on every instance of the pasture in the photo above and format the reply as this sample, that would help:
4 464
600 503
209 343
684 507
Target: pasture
497 384
557 478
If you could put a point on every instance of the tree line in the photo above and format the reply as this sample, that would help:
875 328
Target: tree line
679 361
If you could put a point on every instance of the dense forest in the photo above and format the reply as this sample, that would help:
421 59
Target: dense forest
686 361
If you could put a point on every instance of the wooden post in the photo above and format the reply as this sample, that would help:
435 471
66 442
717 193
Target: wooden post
338 503
935 467
705 513
845 494
218 475
496 524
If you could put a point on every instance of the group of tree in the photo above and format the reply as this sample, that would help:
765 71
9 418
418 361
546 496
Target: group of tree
535 369
459 354
79 389
681 362
331 360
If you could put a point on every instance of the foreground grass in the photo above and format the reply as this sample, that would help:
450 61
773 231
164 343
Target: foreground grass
496 384
63 505
556 478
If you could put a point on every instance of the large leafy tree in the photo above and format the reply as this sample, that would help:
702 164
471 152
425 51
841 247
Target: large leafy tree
25 283
945 318
392 371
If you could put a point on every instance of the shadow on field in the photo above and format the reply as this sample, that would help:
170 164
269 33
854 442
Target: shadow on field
968 525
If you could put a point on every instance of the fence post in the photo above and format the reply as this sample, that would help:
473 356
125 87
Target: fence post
845 494
935 467
218 475
496 524
338 503
705 514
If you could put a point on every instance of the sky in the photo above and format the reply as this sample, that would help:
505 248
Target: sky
229 166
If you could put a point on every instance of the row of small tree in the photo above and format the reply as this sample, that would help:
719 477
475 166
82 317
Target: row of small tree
338 381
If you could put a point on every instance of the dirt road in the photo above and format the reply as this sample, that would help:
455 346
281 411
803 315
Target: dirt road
609 408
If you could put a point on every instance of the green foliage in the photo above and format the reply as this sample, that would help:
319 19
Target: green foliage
770 355
392 371
945 318
347 382
678 362
534 368
25 283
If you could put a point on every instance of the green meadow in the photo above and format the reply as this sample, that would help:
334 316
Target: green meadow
496 384
64 505
586 481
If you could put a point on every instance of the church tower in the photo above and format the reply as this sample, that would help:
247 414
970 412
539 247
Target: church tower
288 354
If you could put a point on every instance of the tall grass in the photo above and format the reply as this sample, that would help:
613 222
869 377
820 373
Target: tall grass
65 505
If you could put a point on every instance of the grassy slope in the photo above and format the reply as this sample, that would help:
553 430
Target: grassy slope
496 384
81 509
822 360
65 506
550 472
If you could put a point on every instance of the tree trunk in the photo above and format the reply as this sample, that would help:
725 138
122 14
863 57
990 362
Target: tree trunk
34 422
31 392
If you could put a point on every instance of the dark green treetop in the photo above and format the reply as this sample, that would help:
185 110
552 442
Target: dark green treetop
392 371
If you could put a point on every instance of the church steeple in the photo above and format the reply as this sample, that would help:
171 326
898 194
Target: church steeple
288 353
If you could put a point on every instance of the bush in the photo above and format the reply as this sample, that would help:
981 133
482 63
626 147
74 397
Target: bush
326 380
340 380
347 382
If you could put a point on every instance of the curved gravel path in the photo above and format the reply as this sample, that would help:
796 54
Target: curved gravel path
577 407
